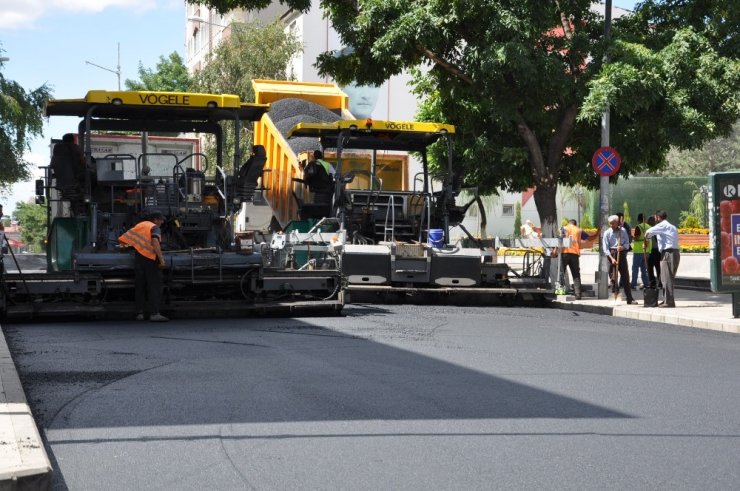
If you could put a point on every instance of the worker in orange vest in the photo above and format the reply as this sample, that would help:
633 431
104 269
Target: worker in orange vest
145 238
572 253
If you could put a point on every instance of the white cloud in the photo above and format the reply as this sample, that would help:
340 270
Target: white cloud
22 14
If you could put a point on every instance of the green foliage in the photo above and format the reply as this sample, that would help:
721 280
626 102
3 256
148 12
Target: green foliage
223 6
524 81
718 155
518 220
252 51
21 118
586 221
171 75
626 211
32 221
699 205
689 220
564 222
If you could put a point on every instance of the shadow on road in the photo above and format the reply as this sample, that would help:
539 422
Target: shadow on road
120 374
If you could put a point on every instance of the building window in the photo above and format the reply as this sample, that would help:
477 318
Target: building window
508 210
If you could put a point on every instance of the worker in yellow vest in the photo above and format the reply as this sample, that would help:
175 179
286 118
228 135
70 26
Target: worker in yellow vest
572 253
145 238
318 157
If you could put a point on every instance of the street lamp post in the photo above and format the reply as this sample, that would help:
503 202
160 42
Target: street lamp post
201 20
117 71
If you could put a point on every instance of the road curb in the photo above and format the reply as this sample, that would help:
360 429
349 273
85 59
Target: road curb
23 460
676 316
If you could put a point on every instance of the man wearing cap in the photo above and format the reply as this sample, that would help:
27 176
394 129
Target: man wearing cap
615 245
667 236
148 264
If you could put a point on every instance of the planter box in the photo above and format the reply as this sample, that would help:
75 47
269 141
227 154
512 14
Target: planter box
693 240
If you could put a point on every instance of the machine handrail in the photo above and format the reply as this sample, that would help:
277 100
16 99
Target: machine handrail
196 154
391 209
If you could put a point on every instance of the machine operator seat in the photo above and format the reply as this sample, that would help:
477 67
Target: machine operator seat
250 172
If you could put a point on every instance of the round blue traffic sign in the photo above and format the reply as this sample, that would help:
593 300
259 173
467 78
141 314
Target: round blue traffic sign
606 161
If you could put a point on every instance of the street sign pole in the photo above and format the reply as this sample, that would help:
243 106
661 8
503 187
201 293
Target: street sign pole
602 279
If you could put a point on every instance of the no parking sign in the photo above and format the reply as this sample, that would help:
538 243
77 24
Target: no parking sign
606 161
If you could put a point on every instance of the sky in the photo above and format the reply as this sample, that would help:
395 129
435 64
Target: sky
49 41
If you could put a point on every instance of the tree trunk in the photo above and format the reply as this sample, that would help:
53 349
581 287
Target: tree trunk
545 173
544 198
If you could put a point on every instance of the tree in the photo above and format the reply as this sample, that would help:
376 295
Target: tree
526 84
718 155
32 220
171 75
518 220
21 118
236 62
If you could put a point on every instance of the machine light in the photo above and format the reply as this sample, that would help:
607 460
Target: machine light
369 123
117 101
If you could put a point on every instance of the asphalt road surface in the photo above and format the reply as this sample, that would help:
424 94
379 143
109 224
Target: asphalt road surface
386 397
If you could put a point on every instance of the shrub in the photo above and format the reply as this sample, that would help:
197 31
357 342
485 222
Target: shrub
586 222
689 220
518 220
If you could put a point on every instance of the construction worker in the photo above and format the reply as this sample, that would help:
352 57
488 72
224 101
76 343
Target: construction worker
572 253
318 157
640 251
149 261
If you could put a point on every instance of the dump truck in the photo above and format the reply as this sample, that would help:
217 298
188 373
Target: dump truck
222 256
397 223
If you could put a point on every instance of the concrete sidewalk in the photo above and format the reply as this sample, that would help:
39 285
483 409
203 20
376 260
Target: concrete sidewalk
23 460
700 309
695 305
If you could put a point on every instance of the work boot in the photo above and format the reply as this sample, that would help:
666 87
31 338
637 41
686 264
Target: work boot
158 318
577 287
140 316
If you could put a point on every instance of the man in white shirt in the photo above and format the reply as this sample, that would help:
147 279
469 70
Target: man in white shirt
670 256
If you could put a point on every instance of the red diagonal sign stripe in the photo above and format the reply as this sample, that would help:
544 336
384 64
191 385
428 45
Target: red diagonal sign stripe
605 160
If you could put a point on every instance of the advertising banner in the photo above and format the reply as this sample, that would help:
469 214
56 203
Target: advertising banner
724 230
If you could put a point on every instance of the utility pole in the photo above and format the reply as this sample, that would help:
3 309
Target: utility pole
117 71
603 276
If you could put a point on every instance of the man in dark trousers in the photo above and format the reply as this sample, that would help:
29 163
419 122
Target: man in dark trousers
615 245
572 253
149 261
670 256
653 258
